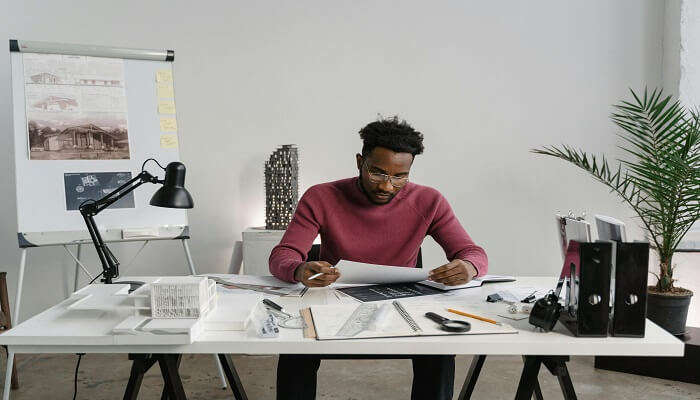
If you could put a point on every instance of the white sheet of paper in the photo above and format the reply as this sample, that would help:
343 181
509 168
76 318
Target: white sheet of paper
356 272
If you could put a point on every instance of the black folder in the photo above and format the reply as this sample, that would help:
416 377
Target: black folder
631 270
587 272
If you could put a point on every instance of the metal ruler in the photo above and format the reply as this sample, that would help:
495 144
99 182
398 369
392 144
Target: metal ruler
358 321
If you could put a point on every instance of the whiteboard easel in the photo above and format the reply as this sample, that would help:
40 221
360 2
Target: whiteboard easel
42 180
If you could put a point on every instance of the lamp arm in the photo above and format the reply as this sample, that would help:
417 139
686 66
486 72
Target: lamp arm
110 264
123 190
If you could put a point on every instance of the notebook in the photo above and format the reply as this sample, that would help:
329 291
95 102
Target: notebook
476 282
328 320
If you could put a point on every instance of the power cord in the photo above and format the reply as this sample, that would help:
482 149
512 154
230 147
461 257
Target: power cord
95 278
143 166
75 380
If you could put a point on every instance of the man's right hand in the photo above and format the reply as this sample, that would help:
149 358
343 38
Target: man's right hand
308 269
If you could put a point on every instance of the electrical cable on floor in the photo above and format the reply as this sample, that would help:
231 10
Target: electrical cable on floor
75 380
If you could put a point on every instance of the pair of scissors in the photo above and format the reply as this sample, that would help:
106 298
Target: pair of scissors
449 325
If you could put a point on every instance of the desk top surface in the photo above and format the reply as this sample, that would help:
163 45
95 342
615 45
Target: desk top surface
60 330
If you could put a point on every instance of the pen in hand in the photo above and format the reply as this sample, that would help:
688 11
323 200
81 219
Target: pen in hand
322 273
314 276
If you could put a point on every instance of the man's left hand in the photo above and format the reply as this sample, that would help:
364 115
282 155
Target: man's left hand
456 272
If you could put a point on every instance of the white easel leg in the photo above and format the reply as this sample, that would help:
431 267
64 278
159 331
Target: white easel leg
221 372
189 256
193 272
8 374
15 319
20 279
77 266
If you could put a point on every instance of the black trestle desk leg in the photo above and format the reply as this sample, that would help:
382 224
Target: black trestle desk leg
171 377
164 395
528 378
141 364
537 392
472 377
234 381
557 366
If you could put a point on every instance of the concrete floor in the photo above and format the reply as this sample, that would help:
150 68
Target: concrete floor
49 376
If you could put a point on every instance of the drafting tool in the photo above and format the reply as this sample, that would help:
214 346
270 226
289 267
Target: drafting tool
473 316
358 321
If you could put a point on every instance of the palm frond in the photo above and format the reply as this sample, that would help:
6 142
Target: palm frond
661 178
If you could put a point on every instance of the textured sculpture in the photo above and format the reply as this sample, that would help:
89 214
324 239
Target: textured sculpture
281 187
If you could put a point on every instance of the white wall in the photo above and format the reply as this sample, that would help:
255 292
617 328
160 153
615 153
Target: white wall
485 81
671 69
689 89
687 265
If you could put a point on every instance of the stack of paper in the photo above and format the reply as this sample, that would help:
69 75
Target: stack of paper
264 284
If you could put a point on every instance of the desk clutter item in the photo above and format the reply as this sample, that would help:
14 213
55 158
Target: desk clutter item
604 287
476 282
182 297
346 321
545 313
286 320
263 284
232 311
223 311
358 321
610 228
571 227
263 323
449 325
388 291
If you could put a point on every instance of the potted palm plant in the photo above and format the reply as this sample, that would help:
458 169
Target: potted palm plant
660 180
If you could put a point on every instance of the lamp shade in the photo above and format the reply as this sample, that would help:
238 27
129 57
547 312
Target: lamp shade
173 193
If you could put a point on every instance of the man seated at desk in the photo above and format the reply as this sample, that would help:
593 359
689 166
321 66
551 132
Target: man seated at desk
379 218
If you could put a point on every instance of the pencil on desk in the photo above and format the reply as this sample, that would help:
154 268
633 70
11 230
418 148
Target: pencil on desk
473 316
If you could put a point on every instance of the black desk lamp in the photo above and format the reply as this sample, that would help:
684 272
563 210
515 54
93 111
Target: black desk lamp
172 195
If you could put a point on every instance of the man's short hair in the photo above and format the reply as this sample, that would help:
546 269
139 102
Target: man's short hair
392 133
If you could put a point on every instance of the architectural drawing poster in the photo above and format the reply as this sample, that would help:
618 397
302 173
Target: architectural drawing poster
76 107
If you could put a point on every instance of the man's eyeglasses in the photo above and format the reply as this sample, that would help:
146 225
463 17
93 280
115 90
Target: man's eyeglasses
396 181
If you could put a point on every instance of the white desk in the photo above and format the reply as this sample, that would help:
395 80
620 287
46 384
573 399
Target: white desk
59 330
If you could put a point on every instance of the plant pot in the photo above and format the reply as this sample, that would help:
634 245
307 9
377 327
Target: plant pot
669 311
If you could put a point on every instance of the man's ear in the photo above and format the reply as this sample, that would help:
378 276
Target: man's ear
358 157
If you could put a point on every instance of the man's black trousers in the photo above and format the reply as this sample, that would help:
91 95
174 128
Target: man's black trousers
433 376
